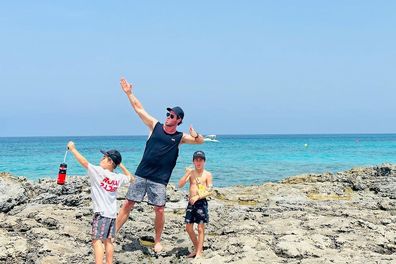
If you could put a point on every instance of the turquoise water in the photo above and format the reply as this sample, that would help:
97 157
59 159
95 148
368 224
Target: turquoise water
245 160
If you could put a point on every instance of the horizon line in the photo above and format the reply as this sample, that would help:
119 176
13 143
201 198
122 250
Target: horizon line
255 134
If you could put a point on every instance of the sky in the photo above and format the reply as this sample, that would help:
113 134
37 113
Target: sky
235 67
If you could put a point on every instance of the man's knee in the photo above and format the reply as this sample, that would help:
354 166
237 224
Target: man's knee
159 210
128 205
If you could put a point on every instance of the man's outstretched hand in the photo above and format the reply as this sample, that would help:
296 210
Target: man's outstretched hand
193 133
126 86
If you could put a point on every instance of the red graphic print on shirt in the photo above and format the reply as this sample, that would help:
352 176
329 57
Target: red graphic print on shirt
109 185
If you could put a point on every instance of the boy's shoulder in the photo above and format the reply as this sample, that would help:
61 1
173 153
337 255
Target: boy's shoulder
99 169
205 173
94 167
208 173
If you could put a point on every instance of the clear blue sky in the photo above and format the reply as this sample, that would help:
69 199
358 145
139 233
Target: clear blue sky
236 67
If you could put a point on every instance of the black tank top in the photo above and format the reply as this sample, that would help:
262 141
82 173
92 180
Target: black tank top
160 155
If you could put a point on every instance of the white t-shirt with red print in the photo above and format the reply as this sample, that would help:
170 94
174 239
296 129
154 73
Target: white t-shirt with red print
104 185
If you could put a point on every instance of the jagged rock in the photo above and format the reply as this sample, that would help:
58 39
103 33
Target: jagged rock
12 192
173 195
346 217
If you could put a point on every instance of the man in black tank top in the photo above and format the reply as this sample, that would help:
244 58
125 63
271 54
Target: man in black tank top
156 166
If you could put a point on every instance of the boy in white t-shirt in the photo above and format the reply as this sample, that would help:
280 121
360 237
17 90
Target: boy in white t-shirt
104 185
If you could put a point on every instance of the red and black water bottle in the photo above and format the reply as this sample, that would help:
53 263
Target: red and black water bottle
62 174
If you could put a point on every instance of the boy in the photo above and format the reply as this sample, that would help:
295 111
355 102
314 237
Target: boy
104 185
197 208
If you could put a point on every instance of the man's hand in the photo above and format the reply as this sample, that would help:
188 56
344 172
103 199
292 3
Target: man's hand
126 86
71 146
193 133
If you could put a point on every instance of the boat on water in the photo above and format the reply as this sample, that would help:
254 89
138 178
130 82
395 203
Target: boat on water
210 138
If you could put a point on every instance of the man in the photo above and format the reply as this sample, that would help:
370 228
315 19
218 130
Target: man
156 166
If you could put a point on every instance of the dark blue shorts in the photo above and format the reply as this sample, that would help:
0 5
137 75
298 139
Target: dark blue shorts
197 213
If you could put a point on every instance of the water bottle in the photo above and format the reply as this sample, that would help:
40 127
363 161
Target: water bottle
62 173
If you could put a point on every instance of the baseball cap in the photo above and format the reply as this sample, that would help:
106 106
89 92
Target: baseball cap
199 154
114 155
178 111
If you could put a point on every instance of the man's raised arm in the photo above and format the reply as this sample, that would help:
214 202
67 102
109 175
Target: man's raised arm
193 138
137 106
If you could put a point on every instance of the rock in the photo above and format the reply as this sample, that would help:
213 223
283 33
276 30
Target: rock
12 248
12 192
292 246
346 217
174 195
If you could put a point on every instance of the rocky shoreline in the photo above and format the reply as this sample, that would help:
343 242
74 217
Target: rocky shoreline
345 217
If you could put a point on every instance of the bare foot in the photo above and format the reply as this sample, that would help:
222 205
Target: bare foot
192 254
198 255
157 247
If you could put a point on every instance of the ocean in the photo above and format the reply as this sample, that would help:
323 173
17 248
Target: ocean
234 160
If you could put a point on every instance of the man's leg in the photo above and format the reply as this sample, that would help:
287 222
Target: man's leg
159 226
109 249
156 194
201 235
193 237
98 250
136 192
123 214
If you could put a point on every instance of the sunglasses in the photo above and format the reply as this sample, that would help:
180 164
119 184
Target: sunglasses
171 116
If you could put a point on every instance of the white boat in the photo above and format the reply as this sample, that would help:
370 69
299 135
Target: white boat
210 138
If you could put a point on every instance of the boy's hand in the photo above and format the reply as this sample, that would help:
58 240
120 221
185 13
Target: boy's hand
131 179
189 169
126 86
194 199
70 145
80 158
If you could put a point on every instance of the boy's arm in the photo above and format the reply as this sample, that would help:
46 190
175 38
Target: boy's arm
147 119
126 172
185 178
80 158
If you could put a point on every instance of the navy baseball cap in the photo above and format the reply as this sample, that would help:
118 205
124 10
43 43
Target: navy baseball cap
114 155
178 111
199 154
